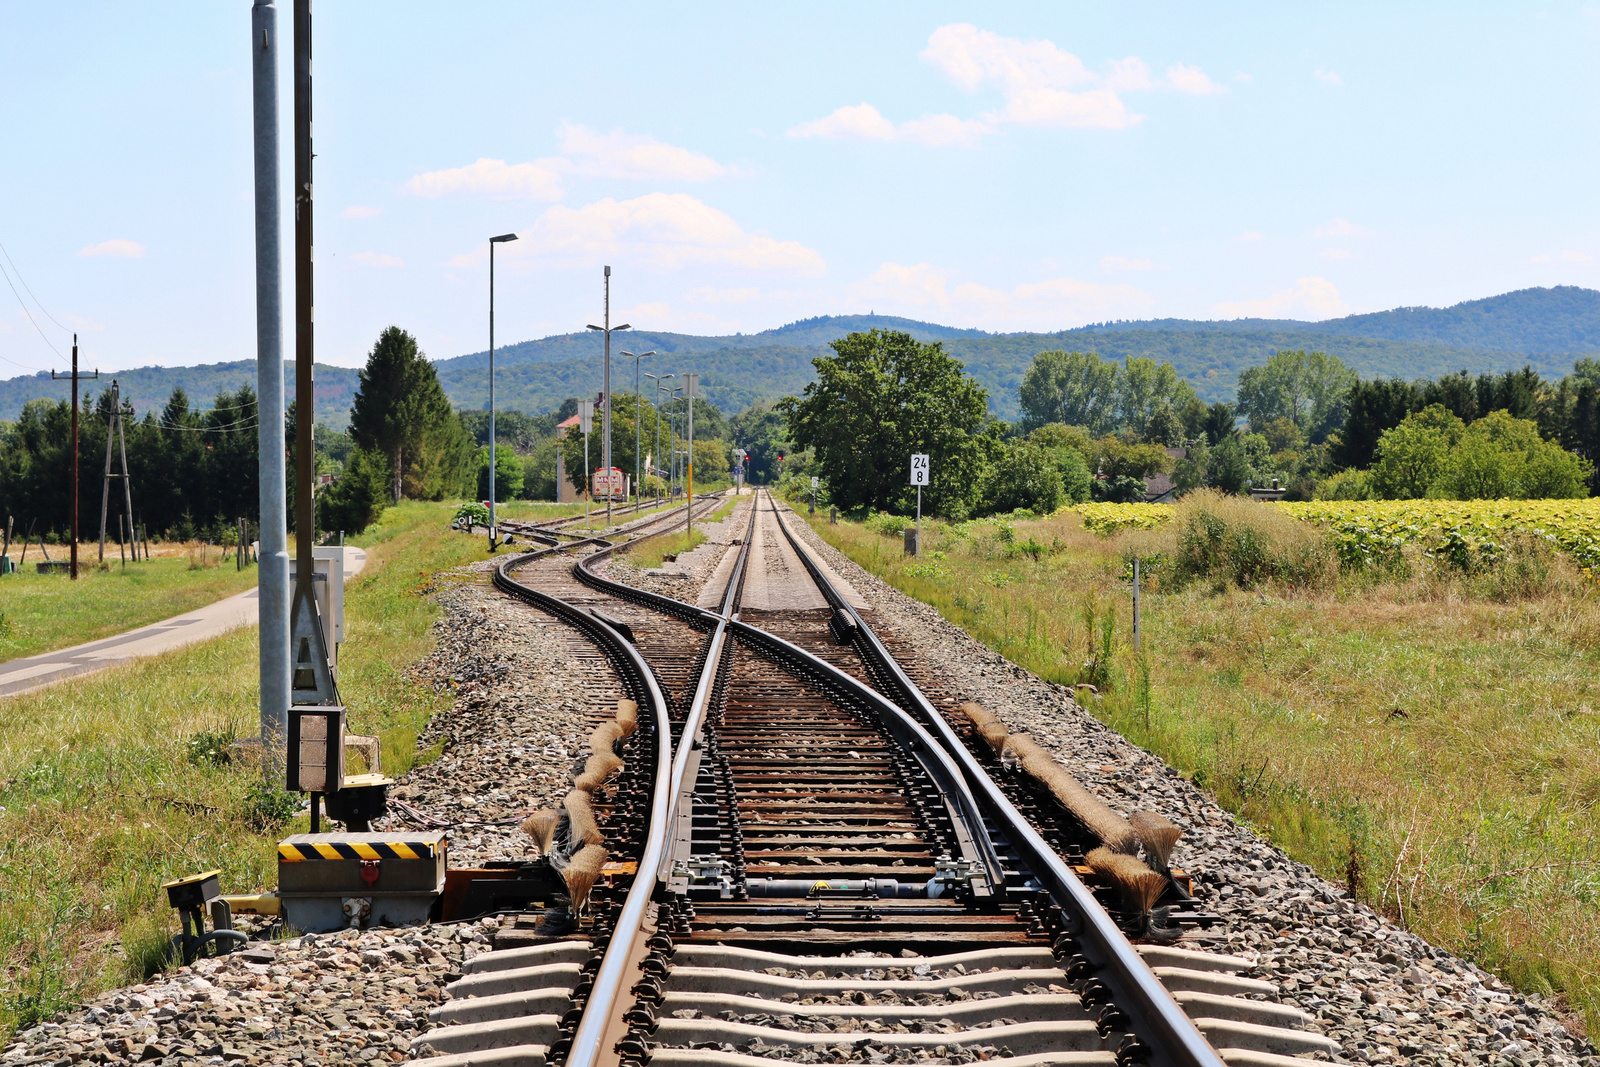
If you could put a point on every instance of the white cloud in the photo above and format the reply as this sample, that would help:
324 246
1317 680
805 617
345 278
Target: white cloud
494 178
663 230
622 155
1250 237
1311 297
116 249
1338 228
361 211
1043 85
705 294
1192 80
1335 253
377 259
1328 77
1569 255
1052 304
863 122
1129 74
1124 263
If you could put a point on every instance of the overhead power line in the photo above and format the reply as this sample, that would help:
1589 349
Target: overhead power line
29 288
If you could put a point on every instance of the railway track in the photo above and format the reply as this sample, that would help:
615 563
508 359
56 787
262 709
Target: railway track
818 864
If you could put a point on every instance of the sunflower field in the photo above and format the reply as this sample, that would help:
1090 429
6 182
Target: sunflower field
1371 531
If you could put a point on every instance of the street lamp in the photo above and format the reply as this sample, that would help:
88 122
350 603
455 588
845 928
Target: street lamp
502 239
605 431
638 418
658 379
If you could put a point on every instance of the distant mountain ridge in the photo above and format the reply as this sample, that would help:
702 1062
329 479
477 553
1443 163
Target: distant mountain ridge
1547 328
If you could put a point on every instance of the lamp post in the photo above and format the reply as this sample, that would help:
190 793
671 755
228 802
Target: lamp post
638 419
658 379
502 239
605 425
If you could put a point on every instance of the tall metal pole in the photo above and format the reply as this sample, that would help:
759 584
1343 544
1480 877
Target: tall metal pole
691 383
74 565
273 557
605 412
492 495
492 513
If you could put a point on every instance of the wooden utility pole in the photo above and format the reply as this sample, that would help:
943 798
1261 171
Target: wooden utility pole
115 430
75 376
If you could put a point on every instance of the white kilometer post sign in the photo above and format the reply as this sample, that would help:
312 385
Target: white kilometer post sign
919 478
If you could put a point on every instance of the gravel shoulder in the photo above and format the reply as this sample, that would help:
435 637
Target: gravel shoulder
1384 994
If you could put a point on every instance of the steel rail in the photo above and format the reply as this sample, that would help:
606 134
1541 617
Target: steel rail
1154 1017
642 684
669 806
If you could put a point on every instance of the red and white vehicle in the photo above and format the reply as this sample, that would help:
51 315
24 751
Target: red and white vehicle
608 482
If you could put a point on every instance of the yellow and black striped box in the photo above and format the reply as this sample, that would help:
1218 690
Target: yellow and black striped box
333 863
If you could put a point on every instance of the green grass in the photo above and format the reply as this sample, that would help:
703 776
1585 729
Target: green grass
44 612
100 801
1430 739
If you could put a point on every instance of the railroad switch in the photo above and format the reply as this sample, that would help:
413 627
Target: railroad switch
193 896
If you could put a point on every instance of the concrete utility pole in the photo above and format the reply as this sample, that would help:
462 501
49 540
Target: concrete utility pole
73 477
605 398
273 557
502 239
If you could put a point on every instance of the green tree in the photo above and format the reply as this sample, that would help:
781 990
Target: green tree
507 473
1075 388
1147 387
1503 457
401 412
1308 388
1411 456
1228 469
358 496
1070 450
880 397
1023 475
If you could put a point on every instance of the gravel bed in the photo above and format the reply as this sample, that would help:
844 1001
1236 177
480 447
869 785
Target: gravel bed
518 725
1384 994
346 997
683 578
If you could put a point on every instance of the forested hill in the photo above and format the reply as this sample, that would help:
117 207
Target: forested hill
1547 328
1564 319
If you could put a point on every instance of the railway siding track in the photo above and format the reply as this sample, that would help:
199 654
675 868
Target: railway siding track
812 809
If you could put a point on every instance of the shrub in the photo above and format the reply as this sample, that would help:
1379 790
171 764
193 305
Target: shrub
1346 485
1246 544
888 525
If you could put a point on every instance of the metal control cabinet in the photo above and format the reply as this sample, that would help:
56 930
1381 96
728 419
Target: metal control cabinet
334 881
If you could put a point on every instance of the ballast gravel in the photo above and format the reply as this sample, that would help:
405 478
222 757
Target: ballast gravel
524 688
346 997
1384 994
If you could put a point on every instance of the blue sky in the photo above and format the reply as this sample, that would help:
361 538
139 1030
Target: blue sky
1003 166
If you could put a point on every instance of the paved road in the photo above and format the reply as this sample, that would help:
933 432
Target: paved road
36 672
